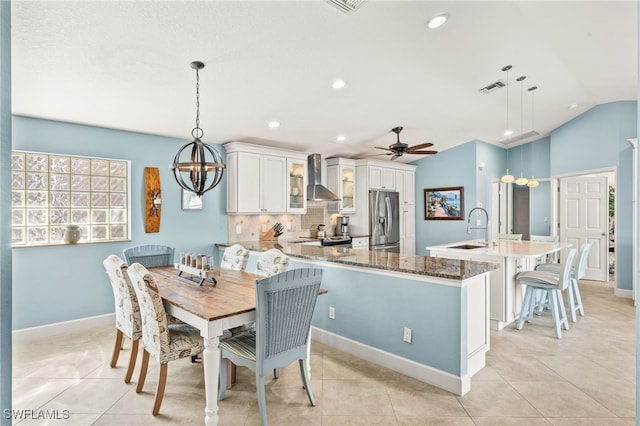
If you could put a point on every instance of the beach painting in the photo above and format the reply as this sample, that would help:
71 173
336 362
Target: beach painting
444 203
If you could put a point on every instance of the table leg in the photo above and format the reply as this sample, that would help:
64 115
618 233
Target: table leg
211 363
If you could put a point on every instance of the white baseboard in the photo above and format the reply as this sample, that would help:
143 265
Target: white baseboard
32 333
430 375
626 294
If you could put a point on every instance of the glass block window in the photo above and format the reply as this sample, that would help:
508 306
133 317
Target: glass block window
50 191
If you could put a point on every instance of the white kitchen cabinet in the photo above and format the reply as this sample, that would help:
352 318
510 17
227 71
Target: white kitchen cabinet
382 178
407 229
341 180
360 242
297 186
406 187
259 181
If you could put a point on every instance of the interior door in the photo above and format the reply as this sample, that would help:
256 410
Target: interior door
521 211
584 218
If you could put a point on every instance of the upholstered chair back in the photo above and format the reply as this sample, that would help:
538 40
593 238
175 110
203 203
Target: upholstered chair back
235 258
128 318
271 262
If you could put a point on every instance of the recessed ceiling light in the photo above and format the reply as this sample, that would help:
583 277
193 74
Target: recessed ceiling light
341 138
274 124
437 21
338 84
572 106
508 132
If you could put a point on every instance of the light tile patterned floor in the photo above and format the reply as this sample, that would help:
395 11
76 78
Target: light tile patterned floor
531 378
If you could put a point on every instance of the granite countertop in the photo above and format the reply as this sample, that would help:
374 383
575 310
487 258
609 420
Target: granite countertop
504 248
453 269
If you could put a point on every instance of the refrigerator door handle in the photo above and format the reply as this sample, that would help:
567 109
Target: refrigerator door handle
390 216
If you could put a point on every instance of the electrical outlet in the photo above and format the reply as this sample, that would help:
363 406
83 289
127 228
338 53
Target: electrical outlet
332 312
238 229
407 335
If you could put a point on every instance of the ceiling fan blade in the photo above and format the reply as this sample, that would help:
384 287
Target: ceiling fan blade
378 147
374 155
422 152
420 146
394 157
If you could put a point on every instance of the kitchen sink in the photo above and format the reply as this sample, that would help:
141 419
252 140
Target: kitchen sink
467 246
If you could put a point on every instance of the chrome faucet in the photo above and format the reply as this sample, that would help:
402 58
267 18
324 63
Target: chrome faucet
486 228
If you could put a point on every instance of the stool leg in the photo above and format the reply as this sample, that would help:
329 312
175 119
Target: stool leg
572 303
576 292
554 312
563 312
526 307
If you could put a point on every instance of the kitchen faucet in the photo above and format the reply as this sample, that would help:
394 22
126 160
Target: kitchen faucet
486 228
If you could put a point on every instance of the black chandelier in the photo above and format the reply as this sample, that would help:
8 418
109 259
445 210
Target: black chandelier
198 168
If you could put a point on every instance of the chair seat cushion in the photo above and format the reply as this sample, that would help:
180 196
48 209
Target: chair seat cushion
538 279
243 345
549 267
184 341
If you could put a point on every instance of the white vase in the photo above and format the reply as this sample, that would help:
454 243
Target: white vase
71 234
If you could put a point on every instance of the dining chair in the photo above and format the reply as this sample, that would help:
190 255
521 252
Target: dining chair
149 255
284 309
160 341
551 286
235 258
271 262
502 236
578 271
128 320
545 238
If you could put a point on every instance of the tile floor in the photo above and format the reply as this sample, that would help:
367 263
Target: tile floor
531 378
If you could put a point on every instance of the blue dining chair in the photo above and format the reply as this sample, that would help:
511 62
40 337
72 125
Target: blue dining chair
284 308
149 255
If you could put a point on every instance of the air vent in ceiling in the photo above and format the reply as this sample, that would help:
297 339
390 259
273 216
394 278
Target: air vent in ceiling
347 6
493 86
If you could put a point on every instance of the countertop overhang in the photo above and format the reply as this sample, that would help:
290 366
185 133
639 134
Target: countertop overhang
453 269
503 248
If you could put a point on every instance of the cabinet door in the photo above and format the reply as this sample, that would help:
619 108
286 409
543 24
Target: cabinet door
232 182
274 184
249 180
347 189
297 186
408 187
407 230
381 178
388 179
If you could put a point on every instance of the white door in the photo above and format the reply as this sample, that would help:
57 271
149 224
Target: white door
583 218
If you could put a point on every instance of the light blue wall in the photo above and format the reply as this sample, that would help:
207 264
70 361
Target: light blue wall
60 283
598 139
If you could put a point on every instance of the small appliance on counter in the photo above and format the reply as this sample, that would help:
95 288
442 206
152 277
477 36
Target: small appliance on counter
321 232
342 227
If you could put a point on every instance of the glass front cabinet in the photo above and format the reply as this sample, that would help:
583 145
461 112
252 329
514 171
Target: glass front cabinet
341 178
297 186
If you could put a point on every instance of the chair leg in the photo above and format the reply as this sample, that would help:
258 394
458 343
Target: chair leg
526 307
162 381
563 312
132 360
576 293
231 377
571 301
262 399
116 348
276 373
554 312
143 370
222 390
304 372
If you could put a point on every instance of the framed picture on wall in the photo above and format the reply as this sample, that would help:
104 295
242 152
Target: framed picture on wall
190 201
444 203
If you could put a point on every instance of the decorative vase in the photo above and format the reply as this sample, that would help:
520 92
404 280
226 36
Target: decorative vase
71 234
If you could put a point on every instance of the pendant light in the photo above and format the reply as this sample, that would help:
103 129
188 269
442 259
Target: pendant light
533 182
521 180
198 167
507 178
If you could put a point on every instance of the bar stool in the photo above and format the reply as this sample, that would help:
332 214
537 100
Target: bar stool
578 271
551 286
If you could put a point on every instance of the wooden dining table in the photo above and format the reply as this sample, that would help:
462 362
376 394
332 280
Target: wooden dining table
211 309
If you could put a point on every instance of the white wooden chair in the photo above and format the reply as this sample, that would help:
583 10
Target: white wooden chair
284 309
551 286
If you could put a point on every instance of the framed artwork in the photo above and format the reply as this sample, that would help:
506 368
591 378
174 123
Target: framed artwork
444 203
190 201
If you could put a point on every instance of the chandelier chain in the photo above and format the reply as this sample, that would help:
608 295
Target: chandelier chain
197 132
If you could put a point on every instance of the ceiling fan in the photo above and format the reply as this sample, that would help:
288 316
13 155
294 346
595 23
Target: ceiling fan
398 149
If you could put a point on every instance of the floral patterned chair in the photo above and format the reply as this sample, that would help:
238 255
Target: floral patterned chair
128 321
271 262
235 258
163 343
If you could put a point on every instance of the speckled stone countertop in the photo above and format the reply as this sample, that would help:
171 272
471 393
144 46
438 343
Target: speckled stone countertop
453 269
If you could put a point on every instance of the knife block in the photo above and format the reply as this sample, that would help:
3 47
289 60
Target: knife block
268 235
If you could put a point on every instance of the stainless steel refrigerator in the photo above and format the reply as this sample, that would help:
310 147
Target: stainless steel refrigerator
384 221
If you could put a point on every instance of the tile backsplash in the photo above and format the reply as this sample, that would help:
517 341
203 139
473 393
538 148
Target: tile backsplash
250 226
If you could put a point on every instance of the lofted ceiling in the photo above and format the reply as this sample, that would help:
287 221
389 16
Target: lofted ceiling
125 65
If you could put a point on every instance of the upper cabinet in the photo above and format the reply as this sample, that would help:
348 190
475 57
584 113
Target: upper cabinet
381 178
297 188
261 181
341 179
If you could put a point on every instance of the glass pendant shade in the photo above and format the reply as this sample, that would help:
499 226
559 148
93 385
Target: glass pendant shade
507 178
533 183
522 181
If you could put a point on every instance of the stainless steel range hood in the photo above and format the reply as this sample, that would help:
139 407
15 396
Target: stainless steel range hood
315 190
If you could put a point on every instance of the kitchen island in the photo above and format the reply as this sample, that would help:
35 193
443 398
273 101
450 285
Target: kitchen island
423 316
513 256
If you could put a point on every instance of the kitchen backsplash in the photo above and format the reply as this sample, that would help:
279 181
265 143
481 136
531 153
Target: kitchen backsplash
304 225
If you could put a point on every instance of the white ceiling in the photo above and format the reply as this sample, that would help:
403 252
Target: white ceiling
125 65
